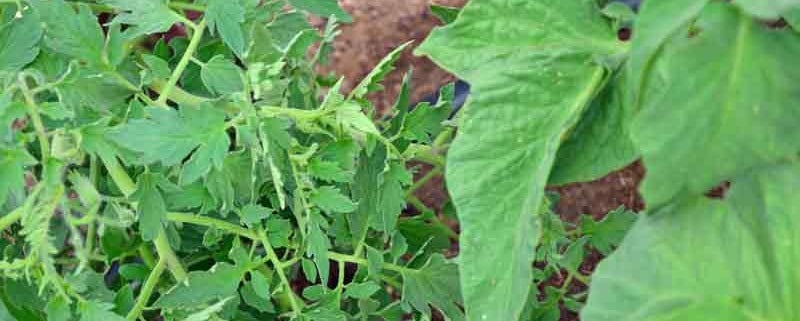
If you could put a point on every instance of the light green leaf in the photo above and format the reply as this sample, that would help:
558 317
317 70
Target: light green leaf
252 299
75 34
260 285
361 290
331 200
435 284
391 197
531 83
318 246
600 142
704 259
606 234
792 17
424 122
221 76
226 17
19 43
329 171
221 281
168 136
322 8
657 21
253 214
207 313
98 311
767 9
372 81
159 67
12 172
151 209
686 135
58 309
144 16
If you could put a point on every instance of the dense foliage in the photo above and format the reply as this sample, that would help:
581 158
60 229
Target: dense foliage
705 94
184 161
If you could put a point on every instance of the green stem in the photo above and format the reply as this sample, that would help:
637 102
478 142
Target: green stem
279 270
166 253
177 94
211 222
416 203
426 154
357 260
33 112
11 218
147 255
436 171
186 6
176 74
147 290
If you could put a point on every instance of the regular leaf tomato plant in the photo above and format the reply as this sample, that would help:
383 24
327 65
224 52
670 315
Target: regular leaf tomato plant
704 94
173 160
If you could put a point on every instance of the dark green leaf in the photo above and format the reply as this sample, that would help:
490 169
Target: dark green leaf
12 172
361 290
76 34
219 282
151 209
606 234
445 14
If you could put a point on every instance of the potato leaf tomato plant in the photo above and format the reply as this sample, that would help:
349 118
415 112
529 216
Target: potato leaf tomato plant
704 93
178 160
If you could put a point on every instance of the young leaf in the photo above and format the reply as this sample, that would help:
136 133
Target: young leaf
169 136
19 43
531 84
200 287
12 172
424 122
144 16
361 290
372 81
226 17
687 147
322 8
435 284
331 200
221 76
75 34
151 209
328 171
606 234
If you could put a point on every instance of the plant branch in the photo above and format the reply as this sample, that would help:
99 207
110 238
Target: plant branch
147 290
276 262
11 218
181 66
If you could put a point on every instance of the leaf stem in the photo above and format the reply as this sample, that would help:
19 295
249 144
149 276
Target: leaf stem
33 112
436 171
212 222
276 262
360 261
11 218
166 253
147 290
181 66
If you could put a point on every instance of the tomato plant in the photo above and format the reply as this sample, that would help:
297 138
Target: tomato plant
704 94
184 161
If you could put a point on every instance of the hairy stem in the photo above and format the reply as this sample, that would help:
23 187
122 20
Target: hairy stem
147 290
33 113
11 218
276 262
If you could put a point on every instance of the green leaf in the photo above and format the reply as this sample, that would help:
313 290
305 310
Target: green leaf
361 290
98 311
657 21
606 234
792 17
9 111
531 84
254 214
260 285
435 284
424 122
318 246
767 9
151 209
322 8
75 34
686 135
391 197
168 136
208 312
252 299
159 67
331 200
58 309
329 171
12 172
19 43
221 281
704 259
143 16
226 17
221 76
600 143
445 14
371 82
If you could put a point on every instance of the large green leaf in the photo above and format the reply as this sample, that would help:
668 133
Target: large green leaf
144 16
531 65
705 259
731 76
767 9
75 34
434 284
19 43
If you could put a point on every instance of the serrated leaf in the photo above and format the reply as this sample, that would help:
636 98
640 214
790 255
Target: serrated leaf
322 8
75 34
98 311
12 172
679 262
328 171
531 84
200 287
361 290
687 148
168 136
392 197
19 43
143 16
226 17
424 122
260 285
371 81
150 208
331 200
252 299
221 76
253 214
435 284
607 233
